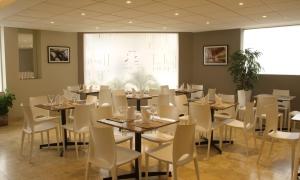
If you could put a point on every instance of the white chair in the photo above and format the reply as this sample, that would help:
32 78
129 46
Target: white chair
181 103
241 99
211 94
164 134
200 114
80 123
118 92
271 133
104 87
164 89
105 154
70 95
105 112
172 94
263 100
105 96
246 124
120 103
38 113
30 127
198 94
292 114
90 99
163 100
284 106
154 100
179 153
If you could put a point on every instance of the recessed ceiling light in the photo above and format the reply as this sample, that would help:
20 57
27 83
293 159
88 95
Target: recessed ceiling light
97 27
52 22
264 16
207 22
130 22
82 14
176 14
164 27
241 4
128 2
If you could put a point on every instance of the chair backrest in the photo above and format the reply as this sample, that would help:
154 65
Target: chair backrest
184 144
38 111
169 112
117 92
104 87
271 111
263 100
70 95
101 112
228 98
163 100
102 146
105 96
81 116
249 117
119 102
90 99
280 92
200 114
28 123
181 104
211 94
164 89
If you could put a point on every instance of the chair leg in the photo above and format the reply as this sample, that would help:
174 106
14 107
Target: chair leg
31 145
196 168
130 143
289 123
246 141
114 173
83 137
261 149
254 138
221 131
293 147
271 148
281 121
140 167
76 146
42 137
22 142
57 138
209 143
88 165
146 166
174 172
167 170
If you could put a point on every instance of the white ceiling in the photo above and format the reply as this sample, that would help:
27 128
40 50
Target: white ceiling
148 15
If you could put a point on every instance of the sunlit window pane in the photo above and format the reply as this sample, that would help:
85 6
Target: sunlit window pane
131 60
279 47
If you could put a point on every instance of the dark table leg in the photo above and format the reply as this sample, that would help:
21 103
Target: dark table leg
138 147
138 104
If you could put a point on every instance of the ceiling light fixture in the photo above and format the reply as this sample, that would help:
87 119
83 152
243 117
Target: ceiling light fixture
165 27
52 22
82 14
207 22
241 4
97 27
130 22
264 16
176 14
128 2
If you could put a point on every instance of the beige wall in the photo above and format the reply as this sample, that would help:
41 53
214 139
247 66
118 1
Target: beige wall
214 76
53 77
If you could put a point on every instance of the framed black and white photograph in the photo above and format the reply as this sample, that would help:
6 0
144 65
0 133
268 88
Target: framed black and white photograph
58 54
215 55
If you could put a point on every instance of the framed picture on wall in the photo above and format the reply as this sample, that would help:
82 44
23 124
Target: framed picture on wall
215 55
58 54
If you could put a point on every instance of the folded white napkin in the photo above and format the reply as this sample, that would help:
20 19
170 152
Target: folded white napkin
188 86
146 114
218 100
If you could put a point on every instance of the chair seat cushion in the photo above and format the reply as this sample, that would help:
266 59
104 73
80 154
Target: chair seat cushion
289 136
70 127
119 138
222 116
45 118
158 137
47 125
124 155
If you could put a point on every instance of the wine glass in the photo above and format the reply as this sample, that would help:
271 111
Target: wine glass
153 109
123 118
51 98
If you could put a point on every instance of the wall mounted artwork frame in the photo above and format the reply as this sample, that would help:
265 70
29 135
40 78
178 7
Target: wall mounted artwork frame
58 54
216 55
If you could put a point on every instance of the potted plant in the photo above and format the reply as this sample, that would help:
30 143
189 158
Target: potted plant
244 69
6 102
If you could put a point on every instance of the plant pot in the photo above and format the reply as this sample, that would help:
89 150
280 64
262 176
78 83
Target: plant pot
4 120
248 94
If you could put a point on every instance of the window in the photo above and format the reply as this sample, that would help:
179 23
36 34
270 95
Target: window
131 60
2 62
279 47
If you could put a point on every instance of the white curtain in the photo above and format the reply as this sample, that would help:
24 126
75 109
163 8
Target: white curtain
131 60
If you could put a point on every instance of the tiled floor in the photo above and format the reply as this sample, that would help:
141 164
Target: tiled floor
232 164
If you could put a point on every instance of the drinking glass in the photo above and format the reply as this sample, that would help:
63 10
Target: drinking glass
153 109
51 98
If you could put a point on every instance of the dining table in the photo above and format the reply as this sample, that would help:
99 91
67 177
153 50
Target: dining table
62 108
139 98
85 92
138 127
187 92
